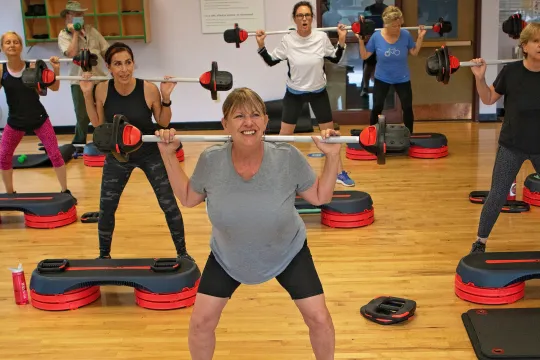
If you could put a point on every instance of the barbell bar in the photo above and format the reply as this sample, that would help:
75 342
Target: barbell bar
105 78
45 60
270 138
238 35
441 64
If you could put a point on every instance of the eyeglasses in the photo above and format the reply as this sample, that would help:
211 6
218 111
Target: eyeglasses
300 16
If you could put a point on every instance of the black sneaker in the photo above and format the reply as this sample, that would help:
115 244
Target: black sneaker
69 192
478 247
185 256
103 257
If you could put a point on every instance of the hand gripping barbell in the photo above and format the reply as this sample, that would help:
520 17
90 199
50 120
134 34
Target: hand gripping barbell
120 138
40 78
441 64
365 27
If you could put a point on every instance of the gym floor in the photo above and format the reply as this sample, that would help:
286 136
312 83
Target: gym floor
424 223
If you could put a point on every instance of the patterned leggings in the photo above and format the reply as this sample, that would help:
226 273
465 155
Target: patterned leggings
11 139
507 165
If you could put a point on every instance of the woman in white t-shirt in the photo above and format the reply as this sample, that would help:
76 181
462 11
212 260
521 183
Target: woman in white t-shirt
305 51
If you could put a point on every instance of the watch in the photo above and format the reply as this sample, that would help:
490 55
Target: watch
166 105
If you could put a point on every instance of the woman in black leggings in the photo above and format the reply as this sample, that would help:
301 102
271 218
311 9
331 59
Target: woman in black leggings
138 100
392 46
519 140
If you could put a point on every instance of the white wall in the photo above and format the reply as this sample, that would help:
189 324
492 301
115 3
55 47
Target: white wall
178 48
490 31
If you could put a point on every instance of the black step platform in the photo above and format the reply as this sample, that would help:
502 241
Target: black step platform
531 190
42 210
504 333
60 284
348 209
496 277
41 160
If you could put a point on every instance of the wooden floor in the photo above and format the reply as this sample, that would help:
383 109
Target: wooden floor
424 225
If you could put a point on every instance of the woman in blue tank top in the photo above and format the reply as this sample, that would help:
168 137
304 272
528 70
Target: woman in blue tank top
392 46
138 100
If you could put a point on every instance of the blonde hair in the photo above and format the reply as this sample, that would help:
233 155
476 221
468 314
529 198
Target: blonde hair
391 14
240 98
527 34
10 33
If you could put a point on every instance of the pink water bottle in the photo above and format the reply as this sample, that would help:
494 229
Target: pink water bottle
19 285
512 193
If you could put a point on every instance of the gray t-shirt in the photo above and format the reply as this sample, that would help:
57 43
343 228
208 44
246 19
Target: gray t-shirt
256 230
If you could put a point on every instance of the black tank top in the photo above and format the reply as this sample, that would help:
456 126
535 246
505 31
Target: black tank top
26 112
134 107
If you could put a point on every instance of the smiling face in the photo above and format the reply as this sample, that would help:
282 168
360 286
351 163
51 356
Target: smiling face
121 67
303 18
244 117
11 44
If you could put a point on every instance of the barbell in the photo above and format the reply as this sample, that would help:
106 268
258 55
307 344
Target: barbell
40 78
120 138
85 59
366 27
45 60
441 64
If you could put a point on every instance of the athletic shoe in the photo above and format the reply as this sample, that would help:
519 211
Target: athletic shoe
478 247
69 192
344 179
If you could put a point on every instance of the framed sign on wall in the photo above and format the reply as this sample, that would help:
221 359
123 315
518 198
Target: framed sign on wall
220 15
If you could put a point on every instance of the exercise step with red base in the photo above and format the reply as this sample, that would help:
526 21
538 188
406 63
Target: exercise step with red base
347 209
428 146
42 210
160 284
94 160
357 152
531 190
495 278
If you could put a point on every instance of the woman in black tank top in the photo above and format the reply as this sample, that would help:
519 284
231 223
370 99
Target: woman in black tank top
26 112
138 100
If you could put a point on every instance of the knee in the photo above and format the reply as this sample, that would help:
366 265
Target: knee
203 322
319 319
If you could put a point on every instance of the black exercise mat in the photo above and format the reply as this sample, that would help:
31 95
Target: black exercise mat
504 333
42 160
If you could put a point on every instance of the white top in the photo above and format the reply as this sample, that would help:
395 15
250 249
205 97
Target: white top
305 57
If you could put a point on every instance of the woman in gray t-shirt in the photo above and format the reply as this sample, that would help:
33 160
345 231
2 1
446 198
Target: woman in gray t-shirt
257 234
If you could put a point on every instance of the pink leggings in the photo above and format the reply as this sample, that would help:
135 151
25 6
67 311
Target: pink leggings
11 139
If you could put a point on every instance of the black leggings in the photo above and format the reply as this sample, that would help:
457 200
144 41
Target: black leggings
507 165
115 177
404 91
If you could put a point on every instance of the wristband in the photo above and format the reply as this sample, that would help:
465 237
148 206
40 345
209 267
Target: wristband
166 105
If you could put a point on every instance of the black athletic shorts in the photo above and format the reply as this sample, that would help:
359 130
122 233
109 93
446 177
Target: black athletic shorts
299 279
293 104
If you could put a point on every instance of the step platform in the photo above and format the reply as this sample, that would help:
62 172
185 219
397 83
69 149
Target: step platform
428 146
503 333
348 209
159 284
25 161
495 278
355 151
42 210
92 157
531 190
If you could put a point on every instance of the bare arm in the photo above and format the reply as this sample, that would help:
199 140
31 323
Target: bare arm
56 67
162 114
73 48
180 183
487 94
94 108
323 189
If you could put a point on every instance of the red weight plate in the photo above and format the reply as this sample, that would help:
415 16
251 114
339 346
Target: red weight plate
186 293
421 150
486 300
489 292
336 216
73 295
347 224
165 305
51 222
72 305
